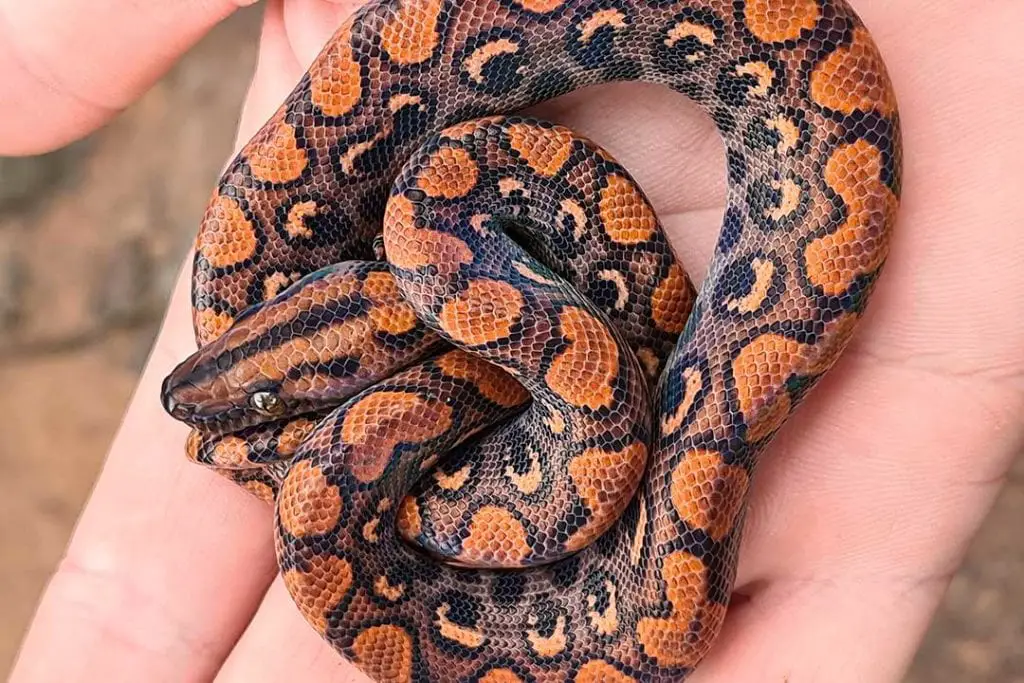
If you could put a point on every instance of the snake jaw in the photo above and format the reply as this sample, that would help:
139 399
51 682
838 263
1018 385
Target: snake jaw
188 403
211 406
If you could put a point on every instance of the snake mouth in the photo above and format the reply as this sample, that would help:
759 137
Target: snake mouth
219 416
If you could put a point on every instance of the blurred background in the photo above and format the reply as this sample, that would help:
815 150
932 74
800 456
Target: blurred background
99 229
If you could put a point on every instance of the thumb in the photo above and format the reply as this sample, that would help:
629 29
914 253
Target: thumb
68 67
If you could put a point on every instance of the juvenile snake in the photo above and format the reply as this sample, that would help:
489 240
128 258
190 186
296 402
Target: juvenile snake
505 439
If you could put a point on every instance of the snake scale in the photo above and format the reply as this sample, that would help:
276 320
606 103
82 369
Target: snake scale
506 439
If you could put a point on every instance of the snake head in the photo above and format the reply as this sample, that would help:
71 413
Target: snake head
202 395
237 381
309 348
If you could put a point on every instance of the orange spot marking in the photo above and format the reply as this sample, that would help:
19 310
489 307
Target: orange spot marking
380 421
764 271
545 149
527 483
649 360
762 72
495 538
548 646
410 248
606 622
450 173
636 548
776 21
688 29
273 284
861 244
572 208
584 372
495 384
193 445
500 676
351 155
612 18
531 274
707 493
693 382
338 340
293 434
227 237
380 287
320 589
475 63
853 78
672 301
605 479
479 223
485 312
599 671
790 194
461 130
397 318
555 422
463 635
402 100
540 6
230 451
671 641
274 155
628 218
384 653
308 504
837 335
789 132
260 490
411 34
621 290
335 77
454 481
407 518
212 325
760 371
382 586
371 527
508 186
390 312
296 226
370 530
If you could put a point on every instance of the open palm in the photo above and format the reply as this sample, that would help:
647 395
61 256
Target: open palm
865 502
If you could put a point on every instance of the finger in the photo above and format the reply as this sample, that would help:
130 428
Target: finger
69 67
861 511
277 72
280 645
167 563
845 553
293 34
309 24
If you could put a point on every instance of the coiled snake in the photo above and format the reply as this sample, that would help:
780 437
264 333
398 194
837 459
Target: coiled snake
505 438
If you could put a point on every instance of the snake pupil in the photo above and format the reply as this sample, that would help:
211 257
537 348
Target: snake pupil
267 403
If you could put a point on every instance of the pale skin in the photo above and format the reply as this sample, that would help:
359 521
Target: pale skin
864 505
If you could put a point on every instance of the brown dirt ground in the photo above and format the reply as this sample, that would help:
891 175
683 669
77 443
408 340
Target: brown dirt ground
93 206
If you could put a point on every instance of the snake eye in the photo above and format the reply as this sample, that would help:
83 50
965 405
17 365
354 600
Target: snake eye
268 403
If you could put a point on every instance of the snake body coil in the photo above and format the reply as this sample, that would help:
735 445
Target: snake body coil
505 439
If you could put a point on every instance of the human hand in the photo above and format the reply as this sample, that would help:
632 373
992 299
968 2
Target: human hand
864 503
